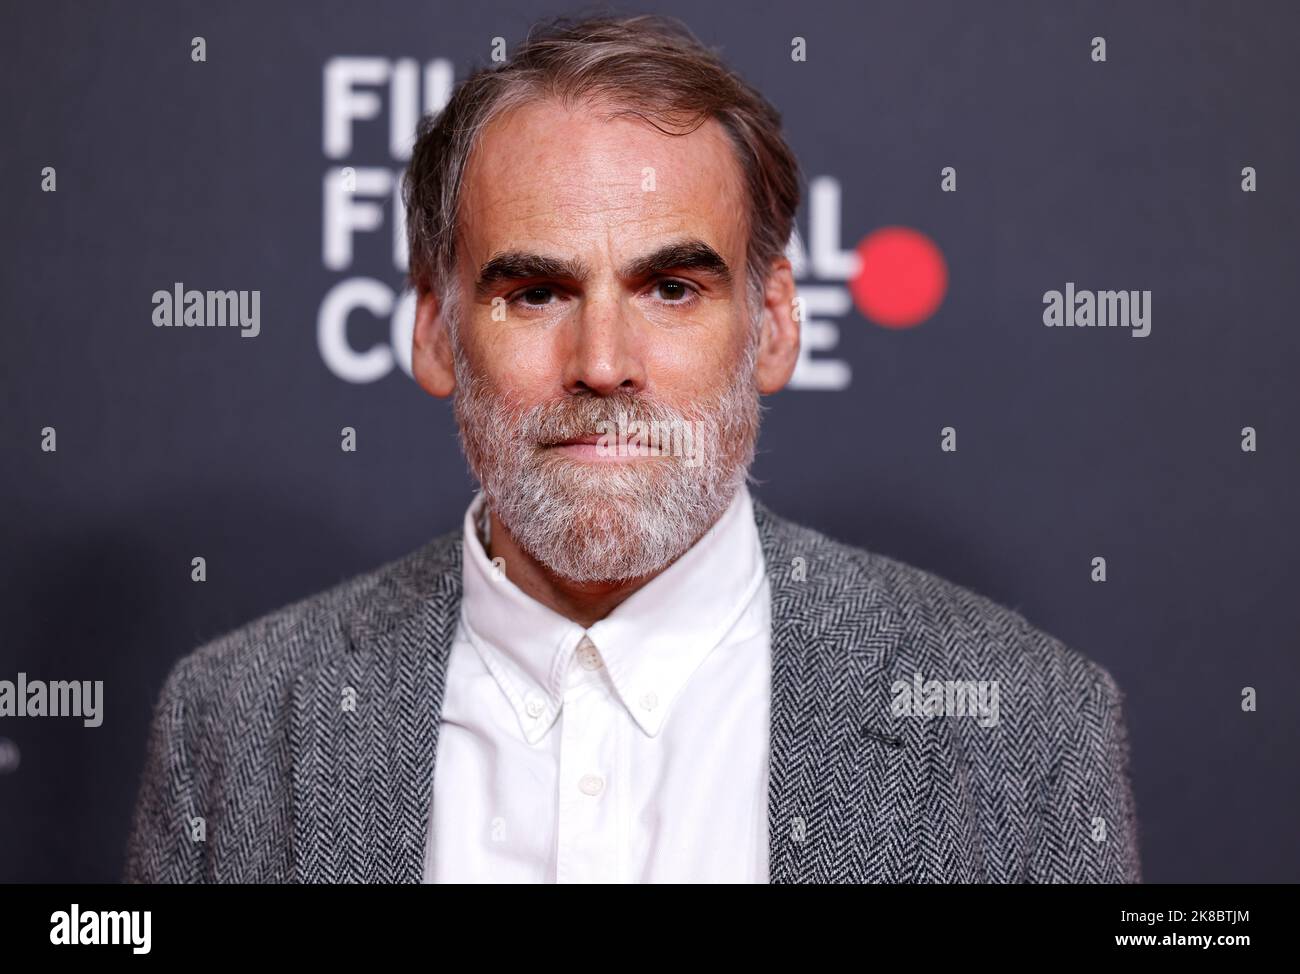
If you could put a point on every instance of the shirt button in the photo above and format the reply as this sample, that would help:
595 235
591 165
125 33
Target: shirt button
534 706
650 700
587 655
591 784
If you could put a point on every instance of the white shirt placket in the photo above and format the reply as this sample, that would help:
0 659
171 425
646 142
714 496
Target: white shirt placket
590 826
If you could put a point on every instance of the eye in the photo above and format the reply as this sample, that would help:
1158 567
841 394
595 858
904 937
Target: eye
537 296
674 292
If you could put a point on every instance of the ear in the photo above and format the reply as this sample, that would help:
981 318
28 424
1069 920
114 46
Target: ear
432 362
778 347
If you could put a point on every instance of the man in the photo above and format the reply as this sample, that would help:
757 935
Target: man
624 668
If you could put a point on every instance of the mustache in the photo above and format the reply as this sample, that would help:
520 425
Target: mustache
547 424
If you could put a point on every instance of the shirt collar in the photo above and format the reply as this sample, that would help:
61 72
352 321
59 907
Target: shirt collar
650 644
525 645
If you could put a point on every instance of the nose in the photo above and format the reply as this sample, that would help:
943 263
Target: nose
604 354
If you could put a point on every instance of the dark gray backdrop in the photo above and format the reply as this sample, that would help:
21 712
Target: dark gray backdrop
1072 443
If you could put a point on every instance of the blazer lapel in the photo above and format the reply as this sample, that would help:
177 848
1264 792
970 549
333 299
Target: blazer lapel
364 727
847 778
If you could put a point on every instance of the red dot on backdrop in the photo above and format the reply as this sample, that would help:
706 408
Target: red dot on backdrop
902 277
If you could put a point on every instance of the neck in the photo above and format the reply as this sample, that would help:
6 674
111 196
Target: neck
585 603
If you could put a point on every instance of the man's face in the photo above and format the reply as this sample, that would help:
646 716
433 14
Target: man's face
601 268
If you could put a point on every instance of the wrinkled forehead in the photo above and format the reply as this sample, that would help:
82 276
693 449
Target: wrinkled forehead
569 179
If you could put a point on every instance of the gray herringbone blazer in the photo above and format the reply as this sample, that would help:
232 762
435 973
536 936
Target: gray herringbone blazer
251 735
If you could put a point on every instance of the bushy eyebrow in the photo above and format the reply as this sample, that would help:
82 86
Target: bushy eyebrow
517 265
693 255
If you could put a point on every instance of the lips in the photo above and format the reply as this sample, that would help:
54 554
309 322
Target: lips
590 439
594 439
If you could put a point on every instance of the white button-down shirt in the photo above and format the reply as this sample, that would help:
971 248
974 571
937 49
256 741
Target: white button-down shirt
632 751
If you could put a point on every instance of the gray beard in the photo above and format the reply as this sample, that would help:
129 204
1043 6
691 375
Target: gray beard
605 522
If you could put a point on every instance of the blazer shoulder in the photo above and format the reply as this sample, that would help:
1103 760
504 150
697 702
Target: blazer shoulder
280 644
943 627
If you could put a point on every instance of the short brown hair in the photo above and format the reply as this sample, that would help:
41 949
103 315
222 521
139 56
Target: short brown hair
648 66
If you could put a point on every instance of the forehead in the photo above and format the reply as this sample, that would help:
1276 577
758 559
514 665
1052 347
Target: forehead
567 179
